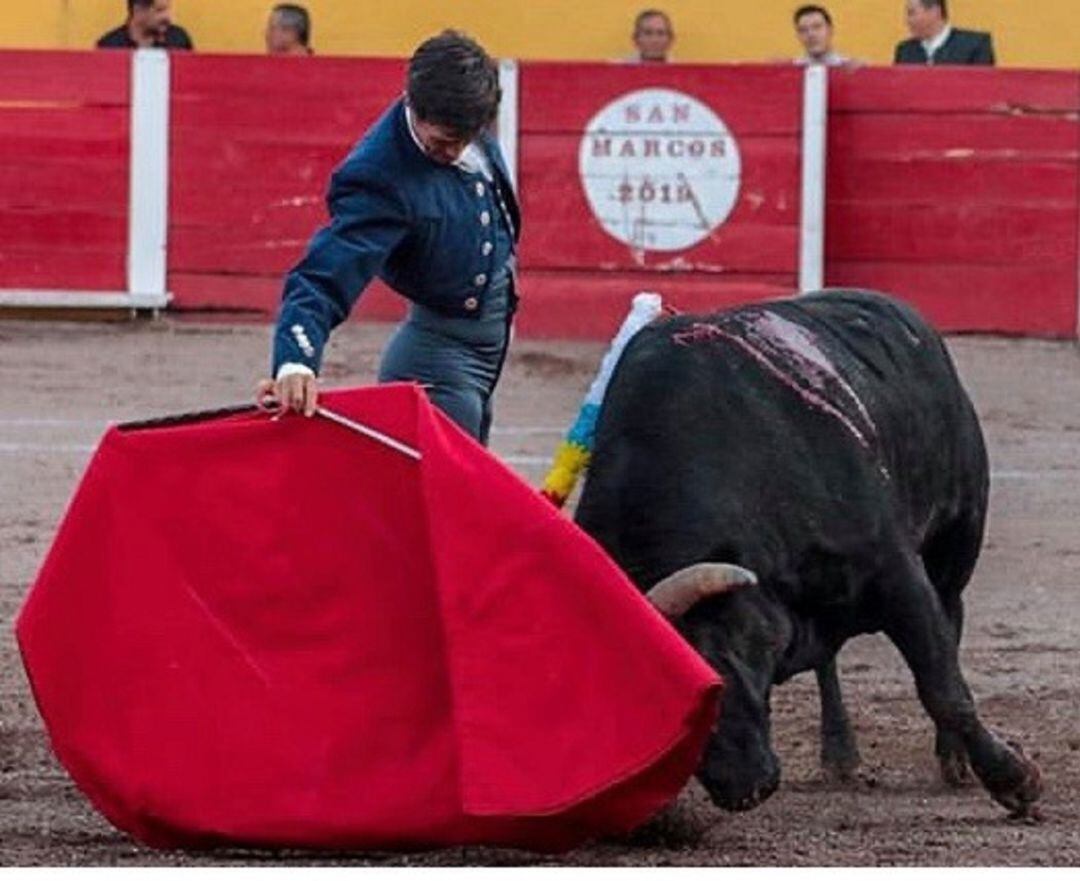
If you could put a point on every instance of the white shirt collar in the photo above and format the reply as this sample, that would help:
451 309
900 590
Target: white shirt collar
934 43
472 159
829 59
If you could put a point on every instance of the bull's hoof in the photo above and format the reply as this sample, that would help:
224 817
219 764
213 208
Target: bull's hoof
839 769
839 759
954 770
748 802
1032 816
1021 792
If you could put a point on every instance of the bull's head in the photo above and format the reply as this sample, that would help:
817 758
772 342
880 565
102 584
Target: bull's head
719 609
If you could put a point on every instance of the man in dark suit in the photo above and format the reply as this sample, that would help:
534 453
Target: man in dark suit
935 41
148 26
425 203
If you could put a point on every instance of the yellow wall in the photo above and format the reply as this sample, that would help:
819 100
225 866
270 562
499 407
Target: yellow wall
1027 33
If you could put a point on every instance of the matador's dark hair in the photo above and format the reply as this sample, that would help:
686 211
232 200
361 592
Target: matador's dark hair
454 83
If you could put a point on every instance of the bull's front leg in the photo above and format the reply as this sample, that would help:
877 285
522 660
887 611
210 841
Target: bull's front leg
921 630
839 754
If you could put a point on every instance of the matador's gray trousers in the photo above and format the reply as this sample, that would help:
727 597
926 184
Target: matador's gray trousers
458 360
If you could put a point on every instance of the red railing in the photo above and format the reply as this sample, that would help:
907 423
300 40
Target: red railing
64 124
956 189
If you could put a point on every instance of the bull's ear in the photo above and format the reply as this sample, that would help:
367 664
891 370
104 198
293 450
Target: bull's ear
679 593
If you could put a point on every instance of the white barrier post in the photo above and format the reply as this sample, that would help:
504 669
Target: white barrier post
508 116
812 222
148 190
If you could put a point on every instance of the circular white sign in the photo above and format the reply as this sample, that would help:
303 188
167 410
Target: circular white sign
660 169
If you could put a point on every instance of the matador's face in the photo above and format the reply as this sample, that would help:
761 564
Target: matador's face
440 144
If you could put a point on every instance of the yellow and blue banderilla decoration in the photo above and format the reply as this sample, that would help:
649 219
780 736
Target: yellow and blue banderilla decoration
573 454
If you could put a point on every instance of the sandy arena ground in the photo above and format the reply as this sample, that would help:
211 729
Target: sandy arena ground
60 384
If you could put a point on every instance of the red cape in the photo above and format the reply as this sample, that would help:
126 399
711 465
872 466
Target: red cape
282 633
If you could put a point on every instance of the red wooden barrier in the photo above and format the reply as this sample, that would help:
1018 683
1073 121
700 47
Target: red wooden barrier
959 190
255 139
253 143
64 121
578 274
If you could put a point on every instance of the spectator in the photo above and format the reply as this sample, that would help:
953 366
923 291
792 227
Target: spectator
288 32
653 36
148 26
814 28
935 41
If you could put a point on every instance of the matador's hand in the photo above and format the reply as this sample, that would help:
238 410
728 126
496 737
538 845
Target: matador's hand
296 392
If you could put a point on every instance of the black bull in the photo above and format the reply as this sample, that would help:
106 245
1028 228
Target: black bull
824 443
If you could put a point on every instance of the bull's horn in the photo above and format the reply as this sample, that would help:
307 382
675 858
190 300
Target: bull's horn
679 593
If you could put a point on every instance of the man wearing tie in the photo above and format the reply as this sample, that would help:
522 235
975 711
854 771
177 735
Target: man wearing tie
935 41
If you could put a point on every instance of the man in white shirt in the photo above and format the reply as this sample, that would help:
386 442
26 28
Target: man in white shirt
814 28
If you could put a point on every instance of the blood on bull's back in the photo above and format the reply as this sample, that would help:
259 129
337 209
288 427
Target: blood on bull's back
779 435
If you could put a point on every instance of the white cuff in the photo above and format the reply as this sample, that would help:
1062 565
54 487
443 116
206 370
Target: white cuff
291 368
